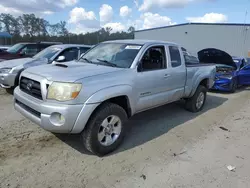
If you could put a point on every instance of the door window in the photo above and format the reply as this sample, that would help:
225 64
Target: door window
69 54
154 59
30 50
43 46
175 56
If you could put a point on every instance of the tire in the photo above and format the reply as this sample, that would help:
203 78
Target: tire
191 103
90 135
234 86
10 90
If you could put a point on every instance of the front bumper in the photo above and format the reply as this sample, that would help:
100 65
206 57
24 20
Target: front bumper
7 80
45 113
222 84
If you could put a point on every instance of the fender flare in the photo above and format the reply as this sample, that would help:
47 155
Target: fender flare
112 92
195 86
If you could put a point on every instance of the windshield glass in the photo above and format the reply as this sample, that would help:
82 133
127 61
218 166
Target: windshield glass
47 53
120 55
15 48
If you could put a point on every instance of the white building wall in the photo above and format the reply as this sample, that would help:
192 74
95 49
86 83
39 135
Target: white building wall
234 39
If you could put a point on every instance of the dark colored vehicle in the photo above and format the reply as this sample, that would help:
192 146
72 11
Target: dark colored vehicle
230 71
22 50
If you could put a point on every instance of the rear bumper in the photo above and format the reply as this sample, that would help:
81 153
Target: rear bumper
7 80
53 117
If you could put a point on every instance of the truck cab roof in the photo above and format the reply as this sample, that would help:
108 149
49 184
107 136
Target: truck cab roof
140 42
63 46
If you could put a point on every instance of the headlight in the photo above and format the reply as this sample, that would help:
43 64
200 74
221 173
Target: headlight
5 70
63 91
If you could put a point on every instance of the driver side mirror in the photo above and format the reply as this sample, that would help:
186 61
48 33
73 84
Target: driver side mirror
60 58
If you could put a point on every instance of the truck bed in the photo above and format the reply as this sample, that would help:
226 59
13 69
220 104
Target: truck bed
198 64
195 73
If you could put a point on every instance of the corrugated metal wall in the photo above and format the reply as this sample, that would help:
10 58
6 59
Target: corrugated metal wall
234 39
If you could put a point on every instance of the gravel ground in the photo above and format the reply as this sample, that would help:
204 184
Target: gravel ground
165 147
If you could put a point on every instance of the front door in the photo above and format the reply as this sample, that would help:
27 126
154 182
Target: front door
152 80
244 75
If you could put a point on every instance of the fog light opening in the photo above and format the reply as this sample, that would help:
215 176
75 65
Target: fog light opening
57 119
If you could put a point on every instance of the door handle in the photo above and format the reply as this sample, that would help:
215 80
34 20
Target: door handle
166 75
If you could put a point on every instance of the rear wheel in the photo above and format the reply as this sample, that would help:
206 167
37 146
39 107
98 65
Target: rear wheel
197 101
105 130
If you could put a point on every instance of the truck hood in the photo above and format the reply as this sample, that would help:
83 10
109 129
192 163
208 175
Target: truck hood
14 62
36 62
216 56
70 71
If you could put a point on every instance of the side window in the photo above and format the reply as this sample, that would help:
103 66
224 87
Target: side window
43 46
30 50
187 59
191 59
83 50
175 56
153 59
69 54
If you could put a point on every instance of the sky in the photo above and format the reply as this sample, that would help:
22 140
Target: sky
90 15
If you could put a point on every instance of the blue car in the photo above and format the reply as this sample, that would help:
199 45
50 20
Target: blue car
230 71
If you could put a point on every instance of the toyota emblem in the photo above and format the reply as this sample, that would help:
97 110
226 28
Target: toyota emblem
29 86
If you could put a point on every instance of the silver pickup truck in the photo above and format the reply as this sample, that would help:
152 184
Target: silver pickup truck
113 81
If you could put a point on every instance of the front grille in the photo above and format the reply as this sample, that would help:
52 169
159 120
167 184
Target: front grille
31 110
31 87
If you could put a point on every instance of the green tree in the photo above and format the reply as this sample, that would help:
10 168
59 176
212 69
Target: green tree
28 28
10 23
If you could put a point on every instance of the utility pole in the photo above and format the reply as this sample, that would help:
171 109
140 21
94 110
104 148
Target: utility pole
245 31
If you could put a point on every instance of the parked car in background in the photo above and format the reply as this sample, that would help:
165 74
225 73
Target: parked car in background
240 61
11 69
21 50
230 71
113 81
4 48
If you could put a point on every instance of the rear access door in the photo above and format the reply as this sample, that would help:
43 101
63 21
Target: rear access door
157 81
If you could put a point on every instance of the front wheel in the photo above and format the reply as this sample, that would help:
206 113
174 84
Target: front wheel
105 130
234 86
197 101
10 90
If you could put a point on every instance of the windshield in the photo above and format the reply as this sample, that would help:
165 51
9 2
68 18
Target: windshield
47 53
120 55
15 48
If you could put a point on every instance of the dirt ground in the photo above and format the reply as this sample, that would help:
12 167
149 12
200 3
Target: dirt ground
165 147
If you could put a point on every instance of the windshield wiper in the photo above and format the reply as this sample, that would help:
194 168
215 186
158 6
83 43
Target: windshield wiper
85 59
107 62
